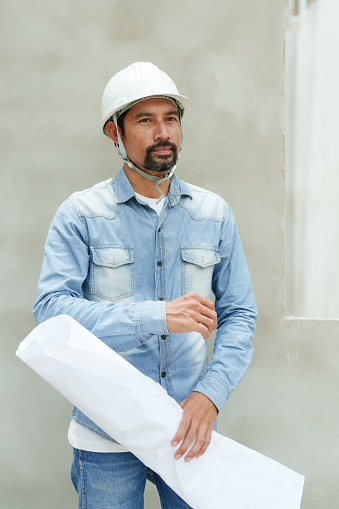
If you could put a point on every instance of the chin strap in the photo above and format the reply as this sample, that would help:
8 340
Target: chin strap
123 154
157 180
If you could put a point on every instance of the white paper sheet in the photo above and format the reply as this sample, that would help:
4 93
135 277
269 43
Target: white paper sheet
139 414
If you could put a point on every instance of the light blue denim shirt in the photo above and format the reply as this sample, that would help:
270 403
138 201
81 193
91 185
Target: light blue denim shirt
111 263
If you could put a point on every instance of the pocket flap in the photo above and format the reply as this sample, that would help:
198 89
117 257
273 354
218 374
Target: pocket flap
112 256
202 256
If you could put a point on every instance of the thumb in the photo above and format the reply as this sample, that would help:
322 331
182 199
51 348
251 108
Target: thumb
183 403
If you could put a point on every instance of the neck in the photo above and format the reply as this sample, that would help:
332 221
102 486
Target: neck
146 187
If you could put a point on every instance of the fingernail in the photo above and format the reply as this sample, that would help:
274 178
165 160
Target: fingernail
174 444
177 456
188 459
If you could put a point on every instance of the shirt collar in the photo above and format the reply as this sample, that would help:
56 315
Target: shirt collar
177 189
124 190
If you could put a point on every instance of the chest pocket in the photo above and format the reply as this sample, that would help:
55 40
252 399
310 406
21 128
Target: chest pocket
197 266
112 272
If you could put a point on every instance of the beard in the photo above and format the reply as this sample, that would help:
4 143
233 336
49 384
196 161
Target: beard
166 162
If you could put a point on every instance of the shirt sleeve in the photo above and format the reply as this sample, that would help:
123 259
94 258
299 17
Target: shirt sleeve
65 267
237 312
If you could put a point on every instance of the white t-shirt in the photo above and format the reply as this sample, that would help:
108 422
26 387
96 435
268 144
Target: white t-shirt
80 437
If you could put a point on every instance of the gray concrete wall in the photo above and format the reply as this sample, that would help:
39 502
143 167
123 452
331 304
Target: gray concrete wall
228 56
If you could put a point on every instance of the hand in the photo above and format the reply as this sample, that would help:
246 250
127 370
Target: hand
191 312
197 421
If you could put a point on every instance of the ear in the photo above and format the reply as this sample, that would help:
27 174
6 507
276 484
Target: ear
112 131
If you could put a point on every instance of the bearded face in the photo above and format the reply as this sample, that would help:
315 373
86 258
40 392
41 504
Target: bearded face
159 160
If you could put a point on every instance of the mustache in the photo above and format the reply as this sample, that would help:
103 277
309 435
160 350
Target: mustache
161 144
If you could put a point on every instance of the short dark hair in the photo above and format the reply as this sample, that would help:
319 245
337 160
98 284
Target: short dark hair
120 122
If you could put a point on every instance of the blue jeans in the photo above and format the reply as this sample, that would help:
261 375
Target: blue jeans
117 481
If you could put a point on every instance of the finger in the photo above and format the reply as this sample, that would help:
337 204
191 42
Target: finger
196 324
199 446
212 316
202 329
189 437
204 447
206 444
209 323
194 299
209 313
206 302
183 427
183 403
203 324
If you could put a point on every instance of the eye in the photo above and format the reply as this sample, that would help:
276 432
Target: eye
145 120
172 119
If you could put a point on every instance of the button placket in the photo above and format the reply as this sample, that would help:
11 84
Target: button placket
159 263
161 295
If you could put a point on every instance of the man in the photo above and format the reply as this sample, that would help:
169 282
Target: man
135 260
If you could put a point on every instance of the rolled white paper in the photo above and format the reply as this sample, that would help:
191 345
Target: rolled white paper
139 414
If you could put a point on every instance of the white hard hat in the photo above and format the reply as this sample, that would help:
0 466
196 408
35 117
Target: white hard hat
136 82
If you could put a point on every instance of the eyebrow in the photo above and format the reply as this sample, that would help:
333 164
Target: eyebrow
146 114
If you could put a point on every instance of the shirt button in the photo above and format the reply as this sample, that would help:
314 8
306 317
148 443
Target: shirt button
163 374
160 298
159 263
163 336
159 230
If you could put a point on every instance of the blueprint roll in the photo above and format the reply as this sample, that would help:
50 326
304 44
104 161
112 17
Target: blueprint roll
139 414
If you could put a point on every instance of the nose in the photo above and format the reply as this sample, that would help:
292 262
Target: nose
161 132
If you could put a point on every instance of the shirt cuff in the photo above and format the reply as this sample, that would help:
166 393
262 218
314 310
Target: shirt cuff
150 319
215 388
